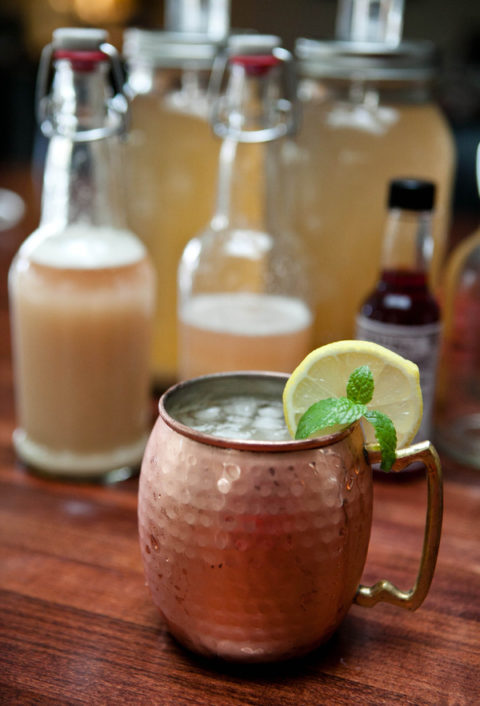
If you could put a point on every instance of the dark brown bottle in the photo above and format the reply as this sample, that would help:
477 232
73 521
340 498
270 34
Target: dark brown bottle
402 313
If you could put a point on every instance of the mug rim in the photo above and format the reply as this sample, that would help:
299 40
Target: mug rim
242 444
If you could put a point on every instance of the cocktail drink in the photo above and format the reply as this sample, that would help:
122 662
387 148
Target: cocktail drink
254 544
235 414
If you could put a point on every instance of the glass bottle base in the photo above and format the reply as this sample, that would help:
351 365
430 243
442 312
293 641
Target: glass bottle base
460 439
109 467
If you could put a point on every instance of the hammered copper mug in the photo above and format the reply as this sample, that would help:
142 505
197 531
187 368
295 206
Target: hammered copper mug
254 551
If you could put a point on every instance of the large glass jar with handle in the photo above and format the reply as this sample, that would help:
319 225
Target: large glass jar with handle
368 117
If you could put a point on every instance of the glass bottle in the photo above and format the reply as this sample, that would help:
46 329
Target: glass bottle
172 153
402 313
242 283
457 413
81 286
368 115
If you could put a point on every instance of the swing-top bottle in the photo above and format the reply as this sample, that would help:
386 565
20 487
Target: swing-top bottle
243 294
81 286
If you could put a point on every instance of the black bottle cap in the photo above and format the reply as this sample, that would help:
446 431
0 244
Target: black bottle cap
411 194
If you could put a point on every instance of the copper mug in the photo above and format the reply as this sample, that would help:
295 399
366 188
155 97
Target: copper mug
253 551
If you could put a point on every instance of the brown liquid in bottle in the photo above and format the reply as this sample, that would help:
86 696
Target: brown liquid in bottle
402 313
418 305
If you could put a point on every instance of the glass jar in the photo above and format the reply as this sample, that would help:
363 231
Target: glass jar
172 163
368 117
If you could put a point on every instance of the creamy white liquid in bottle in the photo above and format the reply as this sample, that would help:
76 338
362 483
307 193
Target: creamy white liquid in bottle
81 308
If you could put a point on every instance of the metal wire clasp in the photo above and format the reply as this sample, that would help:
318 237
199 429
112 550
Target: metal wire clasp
284 110
117 104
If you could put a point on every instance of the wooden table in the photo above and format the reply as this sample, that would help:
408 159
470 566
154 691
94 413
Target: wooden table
77 624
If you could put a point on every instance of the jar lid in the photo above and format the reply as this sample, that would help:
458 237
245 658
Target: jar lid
84 48
78 38
408 60
80 45
209 17
252 43
169 49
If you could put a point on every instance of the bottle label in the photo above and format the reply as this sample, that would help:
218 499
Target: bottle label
420 344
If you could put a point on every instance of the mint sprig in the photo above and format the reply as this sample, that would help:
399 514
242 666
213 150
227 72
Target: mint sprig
333 412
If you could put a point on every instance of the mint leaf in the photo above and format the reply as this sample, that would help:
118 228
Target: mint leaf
360 385
386 436
331 412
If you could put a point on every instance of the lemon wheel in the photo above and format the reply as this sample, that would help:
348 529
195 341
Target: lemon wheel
325 372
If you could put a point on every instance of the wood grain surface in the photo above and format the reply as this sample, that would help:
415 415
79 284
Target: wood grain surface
77 625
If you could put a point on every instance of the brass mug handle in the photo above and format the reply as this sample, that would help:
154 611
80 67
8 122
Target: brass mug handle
384 590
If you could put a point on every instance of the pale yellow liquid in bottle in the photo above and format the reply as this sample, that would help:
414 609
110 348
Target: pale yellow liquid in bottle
243 331
81 322
172 172
345 156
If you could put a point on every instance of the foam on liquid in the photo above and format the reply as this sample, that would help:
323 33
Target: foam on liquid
245 313
85 247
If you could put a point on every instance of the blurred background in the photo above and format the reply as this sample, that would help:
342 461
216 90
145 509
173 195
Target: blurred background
26 26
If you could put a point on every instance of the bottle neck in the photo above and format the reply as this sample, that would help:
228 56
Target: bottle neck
245 119
408 242
79 95
241 197
82 177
